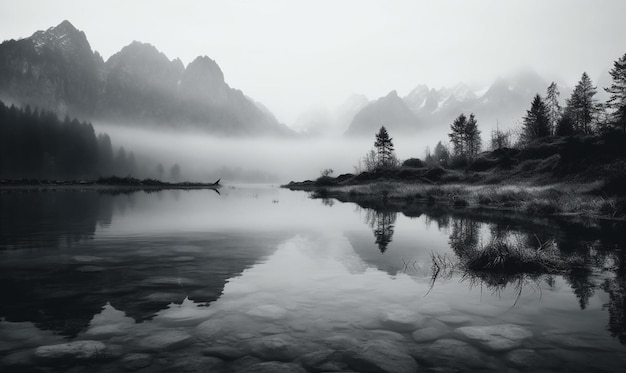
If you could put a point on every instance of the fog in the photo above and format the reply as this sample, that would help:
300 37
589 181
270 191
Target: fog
205 158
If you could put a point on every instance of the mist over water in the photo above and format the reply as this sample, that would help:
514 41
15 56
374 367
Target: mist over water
203 157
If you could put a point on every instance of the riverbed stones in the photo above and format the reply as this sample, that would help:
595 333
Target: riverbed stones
273 367
194 364
166 341
528 359
374 356
224 352
387 356
281 347
136 361
77 350
212 328
428 334
401 320
495 337
450 353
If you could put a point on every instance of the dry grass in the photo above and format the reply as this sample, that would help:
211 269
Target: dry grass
535 200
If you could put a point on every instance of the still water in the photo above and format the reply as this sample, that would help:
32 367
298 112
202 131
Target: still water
262 279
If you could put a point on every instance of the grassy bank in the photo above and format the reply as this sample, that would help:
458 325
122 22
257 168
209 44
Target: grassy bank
553 199
583 176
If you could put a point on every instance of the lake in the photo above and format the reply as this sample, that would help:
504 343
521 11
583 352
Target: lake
263 279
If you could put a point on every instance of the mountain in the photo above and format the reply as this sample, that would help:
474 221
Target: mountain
504 102
53 69
390 111
57 70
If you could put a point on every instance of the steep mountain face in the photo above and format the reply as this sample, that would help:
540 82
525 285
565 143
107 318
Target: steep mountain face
141 83
390 111
53 69
57 70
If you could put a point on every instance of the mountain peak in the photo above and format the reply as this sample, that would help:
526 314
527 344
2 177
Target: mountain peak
64 36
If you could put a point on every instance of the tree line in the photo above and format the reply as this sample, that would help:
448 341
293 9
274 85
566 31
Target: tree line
37 144
583 115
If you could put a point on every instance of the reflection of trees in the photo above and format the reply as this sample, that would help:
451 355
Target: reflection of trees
382 224
616 288
465 236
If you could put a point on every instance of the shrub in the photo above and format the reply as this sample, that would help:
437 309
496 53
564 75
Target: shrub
413 162
325 181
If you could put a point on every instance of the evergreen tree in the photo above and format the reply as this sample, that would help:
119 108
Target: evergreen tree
465 136
536 121
617 101
457 137
565 126
472 137
555 112
384 149
582 107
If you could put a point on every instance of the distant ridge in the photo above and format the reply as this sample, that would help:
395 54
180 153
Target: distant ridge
57 70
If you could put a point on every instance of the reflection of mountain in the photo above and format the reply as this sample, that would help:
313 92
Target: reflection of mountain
54 274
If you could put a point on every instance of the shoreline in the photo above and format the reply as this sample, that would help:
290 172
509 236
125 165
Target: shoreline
555 200
103 184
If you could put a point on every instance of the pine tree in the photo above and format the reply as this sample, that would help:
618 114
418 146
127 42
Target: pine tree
555 112
582 107
536 121
617 101
465 136
472 137
384 149
457 137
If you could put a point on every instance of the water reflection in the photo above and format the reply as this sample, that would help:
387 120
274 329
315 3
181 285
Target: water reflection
382 224
189 281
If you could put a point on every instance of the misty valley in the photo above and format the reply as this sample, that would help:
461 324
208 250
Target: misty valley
266 277
155 219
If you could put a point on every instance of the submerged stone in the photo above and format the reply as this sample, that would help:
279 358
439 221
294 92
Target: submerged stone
136 361
168 340
496 337
428 334
77 350
195 364
281 347
224 352
528 359
450 353
390 357
273 367
401 320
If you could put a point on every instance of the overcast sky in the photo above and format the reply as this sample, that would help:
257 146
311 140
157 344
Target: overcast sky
293 55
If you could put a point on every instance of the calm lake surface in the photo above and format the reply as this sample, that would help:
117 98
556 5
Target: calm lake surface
262 279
